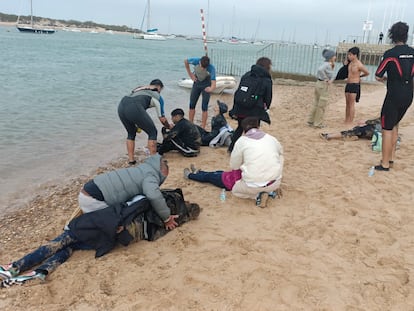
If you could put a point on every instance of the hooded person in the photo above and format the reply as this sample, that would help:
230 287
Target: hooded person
324 77
253 96
118 186
220 130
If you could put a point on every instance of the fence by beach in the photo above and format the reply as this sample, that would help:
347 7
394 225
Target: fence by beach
288 58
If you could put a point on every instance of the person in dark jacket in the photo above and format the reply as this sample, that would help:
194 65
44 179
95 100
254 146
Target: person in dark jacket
261 70
100 230
118 186
183 137
219 128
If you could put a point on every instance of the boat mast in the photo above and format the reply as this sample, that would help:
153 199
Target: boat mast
31 13
148 16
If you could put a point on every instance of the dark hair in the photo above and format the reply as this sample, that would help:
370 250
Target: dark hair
354 50
264 62
157 82
177 112
398 32
250 123
205 61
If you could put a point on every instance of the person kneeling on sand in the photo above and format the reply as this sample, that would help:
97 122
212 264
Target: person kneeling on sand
363 130
256 162
100 230
184 137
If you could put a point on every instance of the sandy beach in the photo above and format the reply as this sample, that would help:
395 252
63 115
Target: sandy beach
337 239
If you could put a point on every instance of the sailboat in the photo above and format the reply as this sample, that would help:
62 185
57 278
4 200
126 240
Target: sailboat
151 33
31 28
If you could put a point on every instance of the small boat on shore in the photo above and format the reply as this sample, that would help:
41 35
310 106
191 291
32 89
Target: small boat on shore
222 83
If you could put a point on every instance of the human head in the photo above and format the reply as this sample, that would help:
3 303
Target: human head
264 62
353 52
164 167
204 61
249 123
398 32
328 54
157 83
177 115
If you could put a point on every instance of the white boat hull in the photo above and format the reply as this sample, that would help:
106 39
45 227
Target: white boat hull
222 83
150 36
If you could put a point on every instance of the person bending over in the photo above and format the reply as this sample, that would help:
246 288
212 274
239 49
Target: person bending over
133 115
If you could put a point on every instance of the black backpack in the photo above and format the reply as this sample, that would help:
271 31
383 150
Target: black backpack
248 92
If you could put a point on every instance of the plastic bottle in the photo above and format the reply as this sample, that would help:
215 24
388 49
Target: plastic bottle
371 171
223 195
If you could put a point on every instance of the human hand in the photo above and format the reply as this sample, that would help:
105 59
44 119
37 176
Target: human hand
193 77
170 223
208 89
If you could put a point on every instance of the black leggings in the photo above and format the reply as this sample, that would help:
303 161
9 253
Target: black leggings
132 115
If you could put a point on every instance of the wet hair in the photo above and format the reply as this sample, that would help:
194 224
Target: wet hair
398 32
250 123
177 112
205 61
157 82
354 50
264 62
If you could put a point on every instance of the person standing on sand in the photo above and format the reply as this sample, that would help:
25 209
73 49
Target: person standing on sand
398 64
133 115
259 81
204 83
325 76
356 70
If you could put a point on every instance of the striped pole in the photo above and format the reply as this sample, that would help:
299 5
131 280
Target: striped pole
203 27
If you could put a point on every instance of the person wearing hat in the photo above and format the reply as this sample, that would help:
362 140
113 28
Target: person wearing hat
183 137
220 134
133 115
325 76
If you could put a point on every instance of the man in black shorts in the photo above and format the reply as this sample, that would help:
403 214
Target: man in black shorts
398 64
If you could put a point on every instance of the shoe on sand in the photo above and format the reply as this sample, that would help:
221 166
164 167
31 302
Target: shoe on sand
261 199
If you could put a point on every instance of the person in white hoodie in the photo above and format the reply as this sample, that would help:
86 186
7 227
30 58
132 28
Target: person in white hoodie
260 158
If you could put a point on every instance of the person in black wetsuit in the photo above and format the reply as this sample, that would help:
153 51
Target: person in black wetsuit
398 64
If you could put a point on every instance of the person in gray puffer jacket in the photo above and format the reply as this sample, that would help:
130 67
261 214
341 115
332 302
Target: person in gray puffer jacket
121 185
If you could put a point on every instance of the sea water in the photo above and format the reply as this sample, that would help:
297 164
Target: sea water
59 96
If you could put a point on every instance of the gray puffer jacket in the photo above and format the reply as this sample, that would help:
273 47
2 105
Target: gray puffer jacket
121 185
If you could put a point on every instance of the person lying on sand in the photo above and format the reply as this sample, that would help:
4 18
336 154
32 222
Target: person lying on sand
364 130
100 230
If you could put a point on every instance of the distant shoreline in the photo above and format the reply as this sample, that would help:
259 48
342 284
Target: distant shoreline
73 29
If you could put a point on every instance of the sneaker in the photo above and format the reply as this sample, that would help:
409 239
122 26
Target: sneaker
194 170
7 271
273 194
261 199
186 172
23 278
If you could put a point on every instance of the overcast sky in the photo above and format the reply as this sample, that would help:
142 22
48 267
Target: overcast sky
306 21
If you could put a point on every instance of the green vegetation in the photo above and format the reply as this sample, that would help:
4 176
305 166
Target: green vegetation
10 18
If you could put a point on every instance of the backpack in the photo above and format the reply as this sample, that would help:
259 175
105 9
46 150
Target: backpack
376 141
247 93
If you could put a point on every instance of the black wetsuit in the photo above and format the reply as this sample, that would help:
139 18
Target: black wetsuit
398 63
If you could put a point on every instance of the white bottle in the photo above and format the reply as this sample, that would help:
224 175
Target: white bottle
223 195
371 171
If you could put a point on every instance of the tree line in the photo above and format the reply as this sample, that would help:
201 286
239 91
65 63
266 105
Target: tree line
11 18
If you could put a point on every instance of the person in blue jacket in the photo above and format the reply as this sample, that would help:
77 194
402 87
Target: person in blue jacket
204 78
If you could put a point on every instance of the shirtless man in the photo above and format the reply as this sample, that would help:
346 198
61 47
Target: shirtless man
356 70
